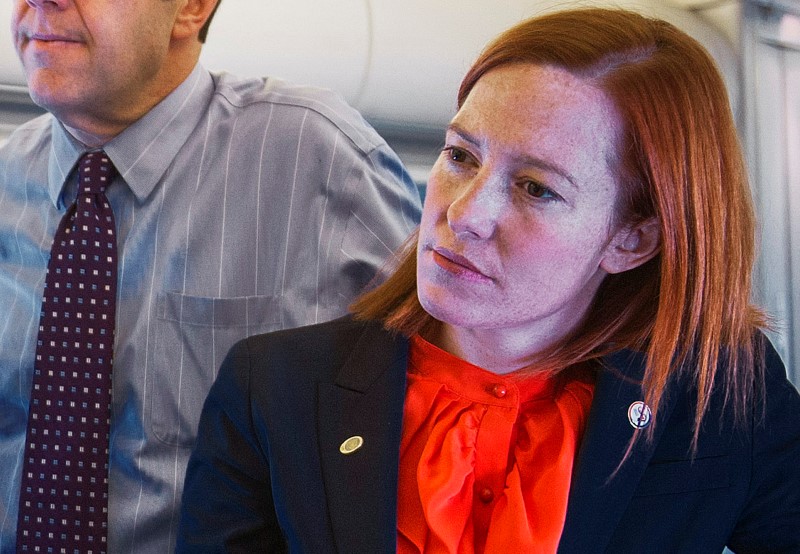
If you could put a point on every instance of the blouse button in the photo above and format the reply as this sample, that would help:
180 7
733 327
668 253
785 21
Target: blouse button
486 495
499 391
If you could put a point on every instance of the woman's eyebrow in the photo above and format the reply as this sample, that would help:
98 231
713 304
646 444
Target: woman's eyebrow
521 159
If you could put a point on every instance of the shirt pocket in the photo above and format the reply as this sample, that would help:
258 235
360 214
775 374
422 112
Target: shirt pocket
682 476
192 336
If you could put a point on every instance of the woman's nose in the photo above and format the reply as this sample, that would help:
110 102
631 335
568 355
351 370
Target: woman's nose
43 3
477 208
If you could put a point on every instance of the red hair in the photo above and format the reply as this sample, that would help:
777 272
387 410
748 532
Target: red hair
680 162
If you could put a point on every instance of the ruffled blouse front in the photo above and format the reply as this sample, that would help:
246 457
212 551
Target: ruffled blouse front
485 459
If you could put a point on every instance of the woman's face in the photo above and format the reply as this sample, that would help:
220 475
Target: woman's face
519 218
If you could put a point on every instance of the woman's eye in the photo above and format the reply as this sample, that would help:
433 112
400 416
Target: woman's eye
538 190
456 154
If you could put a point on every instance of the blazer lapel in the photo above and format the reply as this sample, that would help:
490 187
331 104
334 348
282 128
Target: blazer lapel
597 501
366 401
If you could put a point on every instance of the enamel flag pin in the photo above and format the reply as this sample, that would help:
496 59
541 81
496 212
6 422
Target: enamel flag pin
639 415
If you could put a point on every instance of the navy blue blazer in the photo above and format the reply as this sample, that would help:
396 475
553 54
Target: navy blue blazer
267 474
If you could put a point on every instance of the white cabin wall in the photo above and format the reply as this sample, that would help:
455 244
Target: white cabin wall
397 63
771 61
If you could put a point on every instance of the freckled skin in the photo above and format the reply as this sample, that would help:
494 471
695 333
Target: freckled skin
518 224
99 65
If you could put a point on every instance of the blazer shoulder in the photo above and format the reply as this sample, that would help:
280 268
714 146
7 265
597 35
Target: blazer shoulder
320 348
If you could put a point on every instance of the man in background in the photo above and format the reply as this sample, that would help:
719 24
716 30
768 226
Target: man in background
239 207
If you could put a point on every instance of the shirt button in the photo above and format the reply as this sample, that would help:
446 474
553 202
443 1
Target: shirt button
486 495
499 391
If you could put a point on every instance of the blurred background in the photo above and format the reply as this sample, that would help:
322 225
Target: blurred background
400 64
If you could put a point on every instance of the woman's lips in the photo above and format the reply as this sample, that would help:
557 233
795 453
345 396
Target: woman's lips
455 263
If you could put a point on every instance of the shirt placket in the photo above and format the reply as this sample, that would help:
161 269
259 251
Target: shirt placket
492 446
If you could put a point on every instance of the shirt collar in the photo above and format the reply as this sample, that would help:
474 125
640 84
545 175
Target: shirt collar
142 152
64 154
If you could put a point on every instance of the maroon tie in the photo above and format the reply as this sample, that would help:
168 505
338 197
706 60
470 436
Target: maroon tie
63 501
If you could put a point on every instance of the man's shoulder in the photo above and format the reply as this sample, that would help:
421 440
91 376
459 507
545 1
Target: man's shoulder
30 138
329 107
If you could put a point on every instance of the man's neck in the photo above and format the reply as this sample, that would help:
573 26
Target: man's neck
97 129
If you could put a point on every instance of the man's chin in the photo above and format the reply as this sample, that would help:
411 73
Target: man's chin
48 90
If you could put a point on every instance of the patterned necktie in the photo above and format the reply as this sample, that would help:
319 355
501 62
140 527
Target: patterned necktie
64 493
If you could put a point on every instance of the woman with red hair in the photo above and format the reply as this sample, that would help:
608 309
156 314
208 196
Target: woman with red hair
565 357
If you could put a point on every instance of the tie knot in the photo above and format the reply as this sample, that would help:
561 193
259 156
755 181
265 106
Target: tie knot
95 173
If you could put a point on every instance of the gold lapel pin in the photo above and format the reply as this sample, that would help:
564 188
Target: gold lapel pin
351 445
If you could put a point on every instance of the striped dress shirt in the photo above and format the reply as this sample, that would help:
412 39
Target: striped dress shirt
242 206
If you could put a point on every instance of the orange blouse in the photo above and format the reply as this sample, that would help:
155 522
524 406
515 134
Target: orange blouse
485 459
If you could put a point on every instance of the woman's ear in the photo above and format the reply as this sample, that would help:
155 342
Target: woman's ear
631 246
